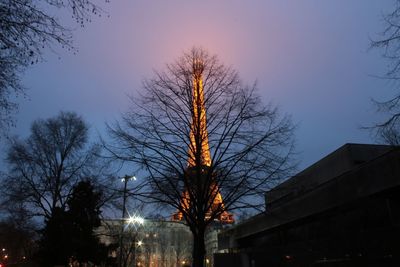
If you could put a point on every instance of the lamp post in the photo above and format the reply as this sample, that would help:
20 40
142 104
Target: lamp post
125 180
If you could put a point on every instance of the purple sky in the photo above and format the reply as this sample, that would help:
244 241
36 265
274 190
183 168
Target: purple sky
310 57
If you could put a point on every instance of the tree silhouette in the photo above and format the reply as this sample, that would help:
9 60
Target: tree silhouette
69 234
46 166
241 149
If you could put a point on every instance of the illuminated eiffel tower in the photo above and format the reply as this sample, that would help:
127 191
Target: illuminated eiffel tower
199 150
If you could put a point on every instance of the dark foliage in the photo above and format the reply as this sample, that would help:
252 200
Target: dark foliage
69 235
19 243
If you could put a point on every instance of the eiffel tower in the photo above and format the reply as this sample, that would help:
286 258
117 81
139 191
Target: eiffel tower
199 151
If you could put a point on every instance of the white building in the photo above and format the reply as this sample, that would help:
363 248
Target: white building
149 243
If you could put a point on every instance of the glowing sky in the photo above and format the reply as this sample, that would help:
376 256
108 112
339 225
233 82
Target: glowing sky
310 57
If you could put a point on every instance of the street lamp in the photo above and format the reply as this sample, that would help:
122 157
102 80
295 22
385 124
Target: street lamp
125 180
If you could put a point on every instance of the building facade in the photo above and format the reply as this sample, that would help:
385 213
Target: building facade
153 243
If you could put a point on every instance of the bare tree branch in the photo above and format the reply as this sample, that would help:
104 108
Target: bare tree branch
388 131
27 27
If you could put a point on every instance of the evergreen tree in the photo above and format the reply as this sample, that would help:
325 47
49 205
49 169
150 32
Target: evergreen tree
55 245
84 216
70 234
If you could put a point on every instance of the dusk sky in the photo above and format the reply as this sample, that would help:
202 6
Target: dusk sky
309 57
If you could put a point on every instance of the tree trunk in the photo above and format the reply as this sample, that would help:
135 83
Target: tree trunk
199 250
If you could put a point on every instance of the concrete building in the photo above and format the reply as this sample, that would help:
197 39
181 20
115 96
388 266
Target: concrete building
343 210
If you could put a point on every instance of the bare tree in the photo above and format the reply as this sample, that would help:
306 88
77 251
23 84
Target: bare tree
202 136
45 167
388 130
26 28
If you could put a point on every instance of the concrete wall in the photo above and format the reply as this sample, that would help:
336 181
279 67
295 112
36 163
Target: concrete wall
336 163
352 218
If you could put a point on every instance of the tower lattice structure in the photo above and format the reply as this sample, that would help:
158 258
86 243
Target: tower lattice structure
199 153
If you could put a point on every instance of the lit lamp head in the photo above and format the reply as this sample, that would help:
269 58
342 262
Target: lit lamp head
126 178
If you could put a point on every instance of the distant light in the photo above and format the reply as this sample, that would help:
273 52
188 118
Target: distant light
135 220
139 243
3 249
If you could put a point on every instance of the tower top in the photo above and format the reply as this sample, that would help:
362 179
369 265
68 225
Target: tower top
198 68
199 151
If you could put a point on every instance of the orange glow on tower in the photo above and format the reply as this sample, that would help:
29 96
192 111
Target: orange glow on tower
199 121
199 150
